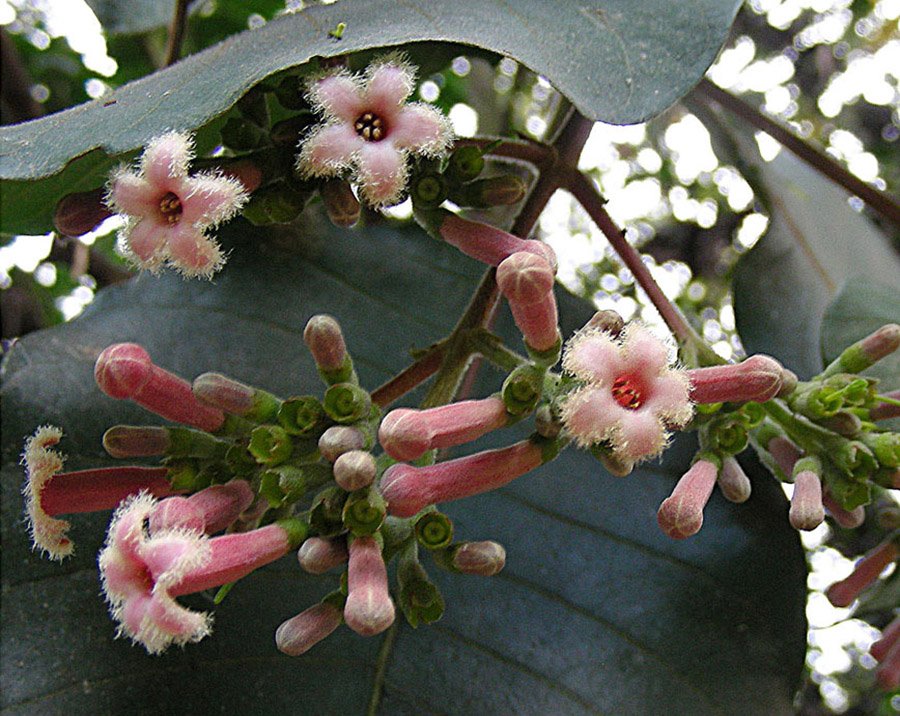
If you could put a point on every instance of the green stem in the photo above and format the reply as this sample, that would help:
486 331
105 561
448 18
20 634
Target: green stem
492 347
811 438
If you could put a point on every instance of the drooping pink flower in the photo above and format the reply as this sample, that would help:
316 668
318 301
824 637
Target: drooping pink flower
631 394
489 244
807 511
681 514
759 378
406 433
49 492
887 652
301 633
317 555
168 213
527 282
370 128
142 572
409 489
369 609
210 510
866 571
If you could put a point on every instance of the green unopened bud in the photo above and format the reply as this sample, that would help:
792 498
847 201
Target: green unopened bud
434 530
429 190
867 352
885 446
235 397
243 136
340 202
289 94
726 434
495 191
465 164
853 390
364 511
752 414
287 483
855 459
811 400
127 441
347 403
325 514
302 415
183 475
270 444
522 389
419 598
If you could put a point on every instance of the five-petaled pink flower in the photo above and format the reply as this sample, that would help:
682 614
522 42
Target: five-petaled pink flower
368 126
630 394
168 212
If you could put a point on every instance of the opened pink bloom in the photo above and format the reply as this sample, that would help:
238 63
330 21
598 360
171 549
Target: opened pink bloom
369 128
168 213
631 395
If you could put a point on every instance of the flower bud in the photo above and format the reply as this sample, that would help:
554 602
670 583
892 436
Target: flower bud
681 514
867 352
340 202
887 409
848 519
842 593
502 190
406 434
758 378
299 634
231 396
347 403
301 415
124 370
127 441
465 163
607 321
354 470
885 447
338 439
317 555
807 511
733 481
77 214
210 510
429 190
369 609
434 530
489 244
527 282
325 341
616 465
843 423
522 389
483 558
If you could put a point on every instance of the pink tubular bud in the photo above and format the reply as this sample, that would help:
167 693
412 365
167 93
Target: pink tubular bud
77 214
848 519
887 675
681 515
101 488
317 555
784 452
884 411
300 633
889 637
807 511
842 593
339 439
210 510
341 204
607 321
485 558
409 489
354 470
124 370
733 481
488 244
325 341
369 609
758 378
405 434
527 282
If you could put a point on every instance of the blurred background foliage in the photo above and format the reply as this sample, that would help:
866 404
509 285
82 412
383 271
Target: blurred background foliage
690 200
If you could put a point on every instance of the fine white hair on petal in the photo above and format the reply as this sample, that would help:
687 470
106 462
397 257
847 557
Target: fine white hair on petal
48 534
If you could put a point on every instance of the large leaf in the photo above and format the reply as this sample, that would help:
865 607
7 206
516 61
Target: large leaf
617 60
596 612
814 243
133 16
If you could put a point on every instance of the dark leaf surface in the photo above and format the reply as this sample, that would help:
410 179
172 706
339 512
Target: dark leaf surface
596 611
814 243
617 60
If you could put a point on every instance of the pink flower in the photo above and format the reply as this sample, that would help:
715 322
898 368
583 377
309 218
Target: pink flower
142 571
49 492
631 394
369 609
301 633
489 244
168 212
527 282
759 378
369 127
807 511
681 514
866 571
887 652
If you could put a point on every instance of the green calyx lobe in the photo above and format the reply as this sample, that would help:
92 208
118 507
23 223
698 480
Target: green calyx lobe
302 415
434 530
364 511
270 444
347 403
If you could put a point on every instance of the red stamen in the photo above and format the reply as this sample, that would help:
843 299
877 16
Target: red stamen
627 392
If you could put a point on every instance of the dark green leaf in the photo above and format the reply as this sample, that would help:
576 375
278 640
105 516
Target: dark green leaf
815 241
596 611
862 306
616 60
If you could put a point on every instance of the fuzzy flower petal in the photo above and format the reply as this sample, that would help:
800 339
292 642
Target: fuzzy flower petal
631 395
168 213
41 464
370 131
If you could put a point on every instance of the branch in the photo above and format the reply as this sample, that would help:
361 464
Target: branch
582 188
176 33
878 200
